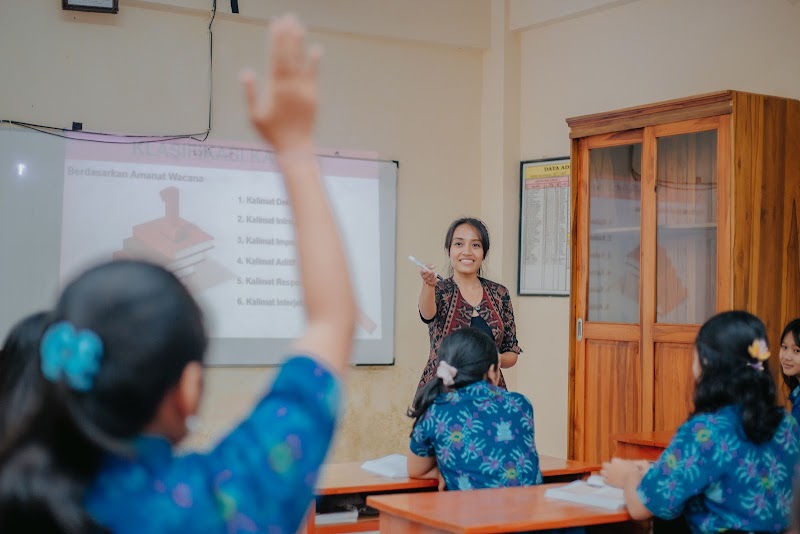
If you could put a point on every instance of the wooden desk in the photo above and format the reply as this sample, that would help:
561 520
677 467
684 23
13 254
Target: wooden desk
487 511
561 470
642 445
348 479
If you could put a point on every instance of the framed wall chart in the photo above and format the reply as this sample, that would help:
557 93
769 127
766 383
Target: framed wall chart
544 238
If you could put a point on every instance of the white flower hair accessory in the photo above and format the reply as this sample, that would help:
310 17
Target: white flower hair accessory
758 351
447 373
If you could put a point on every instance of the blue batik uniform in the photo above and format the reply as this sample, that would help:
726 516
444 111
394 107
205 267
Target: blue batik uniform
260 478
794 398
719 480
482 437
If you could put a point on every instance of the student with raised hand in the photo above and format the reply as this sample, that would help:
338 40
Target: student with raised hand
730 466
123 363
466 428
20 377
789 357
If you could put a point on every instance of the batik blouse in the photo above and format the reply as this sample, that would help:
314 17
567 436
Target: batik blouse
794 398
453 312
482 437
719 480
260 478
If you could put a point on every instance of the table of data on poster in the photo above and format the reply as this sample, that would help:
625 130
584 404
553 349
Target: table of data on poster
544 262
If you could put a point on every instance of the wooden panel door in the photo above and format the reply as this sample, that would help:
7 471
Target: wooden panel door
613 396
674 385
607 360
683 246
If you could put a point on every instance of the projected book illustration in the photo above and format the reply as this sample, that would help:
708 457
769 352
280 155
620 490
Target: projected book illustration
170 241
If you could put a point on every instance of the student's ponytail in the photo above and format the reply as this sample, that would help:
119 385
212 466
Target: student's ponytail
425 397
468 353
732 350
44 473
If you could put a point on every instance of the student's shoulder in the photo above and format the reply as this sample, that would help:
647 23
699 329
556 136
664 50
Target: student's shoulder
516 399
702 426
517 396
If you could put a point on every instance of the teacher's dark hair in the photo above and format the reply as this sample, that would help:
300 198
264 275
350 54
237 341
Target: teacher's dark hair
471 352
480 228
150 328
728 377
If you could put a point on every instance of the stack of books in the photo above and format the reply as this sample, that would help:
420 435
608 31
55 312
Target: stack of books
170 241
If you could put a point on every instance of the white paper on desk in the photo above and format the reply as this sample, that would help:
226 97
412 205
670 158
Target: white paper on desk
332 518
394 466
593 492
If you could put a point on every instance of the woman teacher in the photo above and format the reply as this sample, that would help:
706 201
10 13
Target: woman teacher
465 299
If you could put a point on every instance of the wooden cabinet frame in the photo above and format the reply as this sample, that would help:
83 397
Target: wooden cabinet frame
757 256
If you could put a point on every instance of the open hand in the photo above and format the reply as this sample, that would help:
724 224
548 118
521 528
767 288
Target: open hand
285 111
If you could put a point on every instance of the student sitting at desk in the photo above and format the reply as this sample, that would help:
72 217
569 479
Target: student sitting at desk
479 435
729 467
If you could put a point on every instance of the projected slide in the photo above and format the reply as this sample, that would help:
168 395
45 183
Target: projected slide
220 220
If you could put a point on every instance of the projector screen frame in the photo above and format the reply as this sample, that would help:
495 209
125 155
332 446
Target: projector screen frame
41 192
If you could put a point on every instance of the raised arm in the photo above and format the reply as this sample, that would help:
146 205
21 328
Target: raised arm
284 113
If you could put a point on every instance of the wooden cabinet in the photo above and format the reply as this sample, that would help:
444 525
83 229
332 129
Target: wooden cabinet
680 209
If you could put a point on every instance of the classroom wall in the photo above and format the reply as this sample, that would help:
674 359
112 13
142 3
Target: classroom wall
402 82
459 91
621 54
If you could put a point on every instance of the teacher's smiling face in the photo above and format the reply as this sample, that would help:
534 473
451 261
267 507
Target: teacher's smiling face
466 250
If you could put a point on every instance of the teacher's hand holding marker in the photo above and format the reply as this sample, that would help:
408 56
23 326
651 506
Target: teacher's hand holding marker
427 272
465 298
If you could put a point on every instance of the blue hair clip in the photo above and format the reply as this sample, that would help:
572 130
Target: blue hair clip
75 355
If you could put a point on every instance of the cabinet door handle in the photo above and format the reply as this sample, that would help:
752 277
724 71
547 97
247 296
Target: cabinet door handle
579 329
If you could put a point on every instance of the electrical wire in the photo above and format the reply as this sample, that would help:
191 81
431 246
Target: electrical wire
129 139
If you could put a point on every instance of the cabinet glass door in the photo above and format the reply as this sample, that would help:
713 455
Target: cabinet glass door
614 233
686 196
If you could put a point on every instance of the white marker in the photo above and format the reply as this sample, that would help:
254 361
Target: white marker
412 259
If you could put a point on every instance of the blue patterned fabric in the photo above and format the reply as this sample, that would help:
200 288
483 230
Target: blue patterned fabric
482 437
794 398
720 480
260 478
